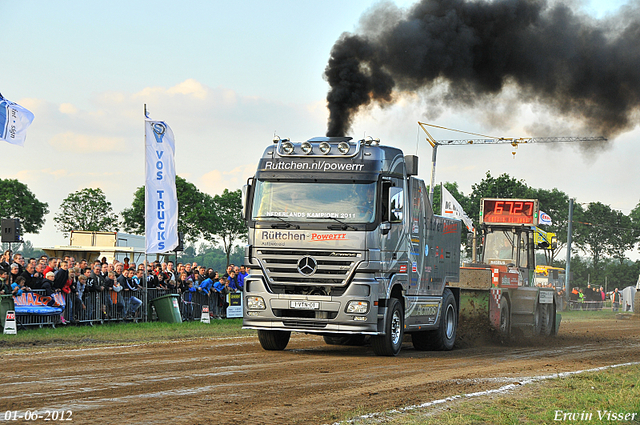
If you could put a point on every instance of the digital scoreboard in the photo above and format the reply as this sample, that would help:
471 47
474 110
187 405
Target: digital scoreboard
509 211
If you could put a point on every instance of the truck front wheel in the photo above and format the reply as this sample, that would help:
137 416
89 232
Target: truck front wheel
274 340
390 343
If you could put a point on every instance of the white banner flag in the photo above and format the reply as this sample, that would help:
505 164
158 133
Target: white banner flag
14 121
545 218
161 199
451 208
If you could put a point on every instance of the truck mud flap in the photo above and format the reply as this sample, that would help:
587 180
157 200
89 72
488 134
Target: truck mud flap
474 314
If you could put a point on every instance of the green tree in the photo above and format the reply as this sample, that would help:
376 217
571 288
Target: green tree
622 236
86 209
191 210
455 191
17 201
224 221
555 203
28 251
593 229
503 186
635 221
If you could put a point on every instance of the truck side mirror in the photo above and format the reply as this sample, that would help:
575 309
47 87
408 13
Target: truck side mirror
396 204
246 190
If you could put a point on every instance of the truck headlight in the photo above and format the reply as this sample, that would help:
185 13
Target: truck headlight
255 303
358 307
287 147
306 147
325 147
343 147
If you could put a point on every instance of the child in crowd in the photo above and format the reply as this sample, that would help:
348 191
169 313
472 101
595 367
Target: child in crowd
18 288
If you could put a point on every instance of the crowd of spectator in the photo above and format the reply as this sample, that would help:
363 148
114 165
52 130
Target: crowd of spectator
589 298
78 280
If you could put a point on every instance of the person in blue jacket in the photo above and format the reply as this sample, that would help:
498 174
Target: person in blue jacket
206 284
242 274
220 289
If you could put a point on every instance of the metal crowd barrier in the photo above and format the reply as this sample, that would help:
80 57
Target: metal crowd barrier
586 305
109 306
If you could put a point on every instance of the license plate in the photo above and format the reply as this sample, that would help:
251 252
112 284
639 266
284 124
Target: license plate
305 305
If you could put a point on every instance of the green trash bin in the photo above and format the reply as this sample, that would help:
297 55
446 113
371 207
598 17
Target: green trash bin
168 308
6 304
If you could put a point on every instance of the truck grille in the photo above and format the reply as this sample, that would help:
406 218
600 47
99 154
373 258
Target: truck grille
328 268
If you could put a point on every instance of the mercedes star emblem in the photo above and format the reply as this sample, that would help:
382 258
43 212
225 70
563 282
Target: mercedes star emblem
307 266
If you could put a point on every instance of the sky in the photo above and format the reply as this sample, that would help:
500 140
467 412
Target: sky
227 76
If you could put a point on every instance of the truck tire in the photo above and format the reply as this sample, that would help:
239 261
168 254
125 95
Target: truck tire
353 340
390 343
505 319
537 320
443 338
547 317
274 340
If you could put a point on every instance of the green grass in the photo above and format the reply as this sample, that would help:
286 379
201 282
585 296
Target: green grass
589 316
616 390
120 333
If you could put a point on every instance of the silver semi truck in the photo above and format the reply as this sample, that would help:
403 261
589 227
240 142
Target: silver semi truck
343 243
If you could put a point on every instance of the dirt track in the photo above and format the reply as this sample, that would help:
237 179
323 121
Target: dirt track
234 381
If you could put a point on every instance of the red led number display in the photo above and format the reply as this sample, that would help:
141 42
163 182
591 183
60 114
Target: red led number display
509 212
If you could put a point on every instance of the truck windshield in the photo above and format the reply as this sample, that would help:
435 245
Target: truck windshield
500 245
347 202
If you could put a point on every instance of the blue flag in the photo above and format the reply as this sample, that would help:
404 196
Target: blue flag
14 121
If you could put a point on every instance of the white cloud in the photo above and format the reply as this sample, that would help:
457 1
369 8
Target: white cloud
84 143
68 108
220 135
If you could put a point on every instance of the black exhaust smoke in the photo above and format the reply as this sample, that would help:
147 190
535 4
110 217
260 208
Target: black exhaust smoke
576 65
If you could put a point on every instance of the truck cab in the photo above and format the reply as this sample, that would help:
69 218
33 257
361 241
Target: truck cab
343 243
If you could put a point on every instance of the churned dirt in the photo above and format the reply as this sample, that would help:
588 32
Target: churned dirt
234 381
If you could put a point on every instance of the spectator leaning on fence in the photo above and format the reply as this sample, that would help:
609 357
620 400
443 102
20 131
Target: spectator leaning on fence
233 281
18 288
206 285
130 287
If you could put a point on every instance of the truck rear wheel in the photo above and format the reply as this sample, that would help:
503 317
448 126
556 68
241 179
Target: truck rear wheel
537 320
353 340
443 338
390 343
505 318
547 317
274 340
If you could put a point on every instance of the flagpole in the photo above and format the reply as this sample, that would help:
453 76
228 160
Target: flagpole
144 287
